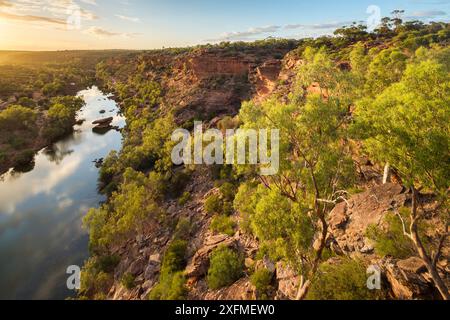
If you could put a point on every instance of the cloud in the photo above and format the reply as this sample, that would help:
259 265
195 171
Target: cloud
4 3
428 14
46 10
319 26
32 18
245 35
103 33
126 18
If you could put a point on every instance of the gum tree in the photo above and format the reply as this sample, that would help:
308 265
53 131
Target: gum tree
408 126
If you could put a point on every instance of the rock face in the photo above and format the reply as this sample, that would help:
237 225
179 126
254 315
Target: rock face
349 220
409 279
266 77
198 265
205 65
288 282
240 290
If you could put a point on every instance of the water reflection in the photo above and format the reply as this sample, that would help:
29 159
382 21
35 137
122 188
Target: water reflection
41 211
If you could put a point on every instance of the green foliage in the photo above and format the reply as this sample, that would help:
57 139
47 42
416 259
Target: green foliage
170 287
53 88
228 192
17 117
185 198
27 102
392 241
128 281
135 201
226 267
277 221
213 204
262 280
95 282
61 116
174 258
183 229
408 125
223 224
386 68
343 280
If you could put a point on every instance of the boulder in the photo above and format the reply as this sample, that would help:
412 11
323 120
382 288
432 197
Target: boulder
137 267
348 221
408 279
199 263
265 263
240 290
104 121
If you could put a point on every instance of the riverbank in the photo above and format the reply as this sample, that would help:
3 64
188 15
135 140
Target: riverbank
41 210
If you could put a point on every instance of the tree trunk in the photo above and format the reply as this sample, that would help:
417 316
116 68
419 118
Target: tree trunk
387 173
304 287
432 269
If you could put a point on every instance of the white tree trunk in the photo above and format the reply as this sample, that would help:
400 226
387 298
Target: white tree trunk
387 173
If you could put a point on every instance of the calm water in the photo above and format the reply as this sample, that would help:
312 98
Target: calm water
41 211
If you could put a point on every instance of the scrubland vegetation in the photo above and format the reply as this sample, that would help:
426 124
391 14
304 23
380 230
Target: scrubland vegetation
383 94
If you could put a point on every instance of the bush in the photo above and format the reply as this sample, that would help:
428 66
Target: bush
174 259
223 224
228 192
108 263
345 280
170 287
17 117
225 268
183 229
184 198
391 242
213 204
24 158
128 281
262 279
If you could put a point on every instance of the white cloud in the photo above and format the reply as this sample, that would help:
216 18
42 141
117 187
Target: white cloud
126 18
100 32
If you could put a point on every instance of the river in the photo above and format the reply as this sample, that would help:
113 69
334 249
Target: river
41 211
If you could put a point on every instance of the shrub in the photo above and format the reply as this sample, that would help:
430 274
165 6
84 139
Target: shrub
228 191
346 280
223 224
17 117
24 158
183 229
213 204
170 287
225 268
108 263
128 281
184 198
391 242
262 279
174 259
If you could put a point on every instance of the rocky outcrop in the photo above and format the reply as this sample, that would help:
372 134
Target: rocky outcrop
349 220
204 65
408 279
266 78
198 265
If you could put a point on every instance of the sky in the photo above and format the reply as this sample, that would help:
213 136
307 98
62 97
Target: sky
150 24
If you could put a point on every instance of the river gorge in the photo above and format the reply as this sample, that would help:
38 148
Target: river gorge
41 210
